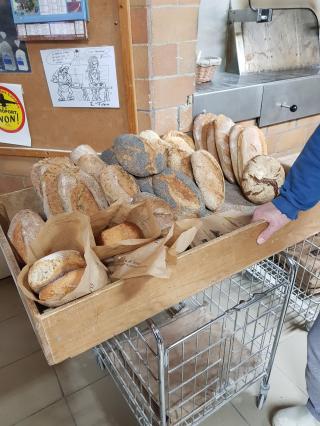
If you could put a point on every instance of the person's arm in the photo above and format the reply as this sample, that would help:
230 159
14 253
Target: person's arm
300 192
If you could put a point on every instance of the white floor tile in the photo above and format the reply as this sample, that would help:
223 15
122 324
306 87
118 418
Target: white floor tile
26 387
57 414
78 372
10 302
100 404
226 416
17 339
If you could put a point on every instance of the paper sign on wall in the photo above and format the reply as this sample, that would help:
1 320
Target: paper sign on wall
14 127
84 77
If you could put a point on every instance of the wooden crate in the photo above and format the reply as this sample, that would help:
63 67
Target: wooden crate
71 329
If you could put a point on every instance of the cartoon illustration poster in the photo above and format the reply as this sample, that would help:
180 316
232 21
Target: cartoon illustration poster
14 127
84 77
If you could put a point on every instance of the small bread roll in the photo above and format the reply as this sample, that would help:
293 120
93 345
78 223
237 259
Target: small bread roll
24 228
51 267
59 288
200 129
117 184
209 178
118 233
251 142
176 134
79 151
223 126
233 142
91 164
262 179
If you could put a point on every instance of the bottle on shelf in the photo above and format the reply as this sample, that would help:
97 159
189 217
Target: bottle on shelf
21 58
6 53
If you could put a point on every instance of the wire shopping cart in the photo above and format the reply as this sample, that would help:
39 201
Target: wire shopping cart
184 364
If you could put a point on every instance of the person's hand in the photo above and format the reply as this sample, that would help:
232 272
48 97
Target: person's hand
273 216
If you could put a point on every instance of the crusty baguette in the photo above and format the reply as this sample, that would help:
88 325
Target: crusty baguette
24 228
223 126
209 178
117 184
51 267
200 129
118 233
251 142
79 151
233 142
60 287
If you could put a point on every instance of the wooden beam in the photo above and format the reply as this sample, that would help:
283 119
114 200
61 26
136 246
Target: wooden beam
32 152
127 60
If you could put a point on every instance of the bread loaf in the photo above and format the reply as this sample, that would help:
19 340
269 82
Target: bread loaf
75 195
175 142
52 203
211 141
262 179
79 151
223 126
24 228
180 161
62 286
200 129
233 142
209 178
145 184
94 187
139 157
52 267
117 184
108 156
91 164
180 192
251 143
118 233
175 134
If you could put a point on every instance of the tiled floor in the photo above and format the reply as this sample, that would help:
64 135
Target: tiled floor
78 393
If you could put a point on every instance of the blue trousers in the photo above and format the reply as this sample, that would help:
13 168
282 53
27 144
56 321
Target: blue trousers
313 370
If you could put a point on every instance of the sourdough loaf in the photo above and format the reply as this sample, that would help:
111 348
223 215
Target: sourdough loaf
175 142
180 192
52 267
262 179
108 156
52 203
79 151
139 157
117 184
209 178
211 141
24 228
145 184
176 134
179 160
92 165
251 142
59 288
233 142
118 233
200 129
223 126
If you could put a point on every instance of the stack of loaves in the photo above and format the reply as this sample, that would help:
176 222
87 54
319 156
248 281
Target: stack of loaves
242 154
168 170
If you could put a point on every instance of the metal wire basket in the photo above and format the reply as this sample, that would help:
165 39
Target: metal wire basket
178 368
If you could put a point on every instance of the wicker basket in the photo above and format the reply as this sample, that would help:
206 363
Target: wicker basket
206 69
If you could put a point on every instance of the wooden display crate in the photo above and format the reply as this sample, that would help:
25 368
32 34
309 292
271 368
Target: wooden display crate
71 329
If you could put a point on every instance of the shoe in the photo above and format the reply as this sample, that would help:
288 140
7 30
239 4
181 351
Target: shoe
294 416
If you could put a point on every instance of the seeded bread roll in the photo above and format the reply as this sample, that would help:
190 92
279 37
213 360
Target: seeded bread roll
117 184
180 192
223 126
200 129
184 136
209 178
262 179
145 184
108 156
52 267
139 157
62 286
79 151
118 233
24 228
180 161
211 141
233 142
91 164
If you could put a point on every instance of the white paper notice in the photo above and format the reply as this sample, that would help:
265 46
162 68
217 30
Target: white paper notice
14 127
84 77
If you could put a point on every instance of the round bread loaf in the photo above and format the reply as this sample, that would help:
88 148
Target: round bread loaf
211 141
62 286
223 126
262 179
108 156
149 135
52 203
180 192
176 134
91 164
118 233
117 184
79 151
145 184
140 157
24 228
251 142
209 178
200 129
179 160
233 143
52 267
178 143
